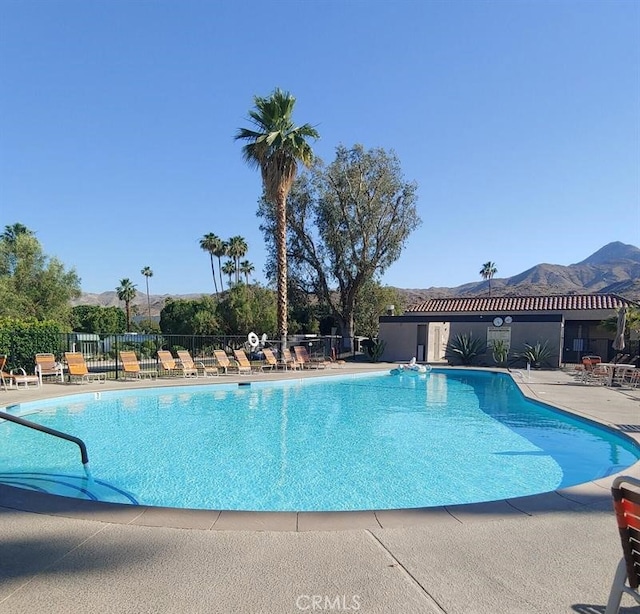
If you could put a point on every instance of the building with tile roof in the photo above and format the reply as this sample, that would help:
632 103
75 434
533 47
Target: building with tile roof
570 324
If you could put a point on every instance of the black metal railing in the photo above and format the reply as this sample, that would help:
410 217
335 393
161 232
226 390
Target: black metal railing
101 352
49 431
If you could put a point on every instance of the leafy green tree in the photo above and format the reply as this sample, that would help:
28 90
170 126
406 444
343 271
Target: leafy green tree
211 244
147 326
276 145
236 249
31 283
372 302
347 223
126 293
248 308
487 272
99 320
189 317
147 272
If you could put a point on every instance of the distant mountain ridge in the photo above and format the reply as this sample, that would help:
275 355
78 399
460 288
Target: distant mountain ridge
614 268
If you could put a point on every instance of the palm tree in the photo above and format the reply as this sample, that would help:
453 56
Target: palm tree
487 271
236 249
220 251
127 292
275 146
246 268
147 272
229 268
211 243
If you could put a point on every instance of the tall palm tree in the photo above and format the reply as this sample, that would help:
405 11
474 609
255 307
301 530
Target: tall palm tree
220 251
246 268
487 271
275 145
127 292
236 249
147 272
229 268
210 243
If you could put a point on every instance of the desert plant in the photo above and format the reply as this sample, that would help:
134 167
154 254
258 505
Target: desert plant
465 348
374 348
536 355
500 352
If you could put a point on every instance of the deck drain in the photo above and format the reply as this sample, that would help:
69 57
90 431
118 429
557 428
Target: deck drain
629 428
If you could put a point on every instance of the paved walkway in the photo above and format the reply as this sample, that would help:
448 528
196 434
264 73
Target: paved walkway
548 554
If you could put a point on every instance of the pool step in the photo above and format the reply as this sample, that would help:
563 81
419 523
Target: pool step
76 486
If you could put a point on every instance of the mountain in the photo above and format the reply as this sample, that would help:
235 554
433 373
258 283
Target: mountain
613 268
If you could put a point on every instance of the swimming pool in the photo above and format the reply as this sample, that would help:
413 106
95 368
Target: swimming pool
354 442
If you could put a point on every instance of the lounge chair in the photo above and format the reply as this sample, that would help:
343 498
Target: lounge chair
290 360
170 366
131 366
78 370
47 366
305 360
270 360
626 503
222 361
15 377
244 365
189 365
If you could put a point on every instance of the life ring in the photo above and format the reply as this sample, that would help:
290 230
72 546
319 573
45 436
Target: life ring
253 340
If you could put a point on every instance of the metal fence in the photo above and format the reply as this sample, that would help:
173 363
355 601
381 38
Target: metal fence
101 351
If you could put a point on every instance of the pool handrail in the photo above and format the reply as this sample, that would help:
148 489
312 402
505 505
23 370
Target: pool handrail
49 431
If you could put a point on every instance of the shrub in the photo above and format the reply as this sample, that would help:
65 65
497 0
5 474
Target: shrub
500 352
536 355
373 348
464 349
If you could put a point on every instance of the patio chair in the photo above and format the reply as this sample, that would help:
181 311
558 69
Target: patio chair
47 366
170 366
305 360
131 366
626 503
15 377
78 370
244 365
593 373
222 361
187 363
270 360
291 360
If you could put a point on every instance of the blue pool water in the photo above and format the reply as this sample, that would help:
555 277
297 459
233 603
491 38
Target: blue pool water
372 441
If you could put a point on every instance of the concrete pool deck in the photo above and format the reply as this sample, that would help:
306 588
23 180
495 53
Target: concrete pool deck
547 553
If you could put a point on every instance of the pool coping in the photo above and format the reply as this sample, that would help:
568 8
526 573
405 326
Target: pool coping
593 495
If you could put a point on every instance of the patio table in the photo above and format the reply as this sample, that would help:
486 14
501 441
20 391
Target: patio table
612 367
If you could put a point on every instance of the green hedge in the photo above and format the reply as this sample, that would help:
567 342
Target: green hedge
21 340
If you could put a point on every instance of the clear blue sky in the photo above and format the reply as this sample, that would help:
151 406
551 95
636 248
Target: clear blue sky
519 120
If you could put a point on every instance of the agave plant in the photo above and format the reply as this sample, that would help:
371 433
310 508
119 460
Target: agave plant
500 352
537 354
374 348
465 348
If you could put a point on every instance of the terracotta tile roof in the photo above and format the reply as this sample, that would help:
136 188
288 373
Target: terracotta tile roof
560 302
